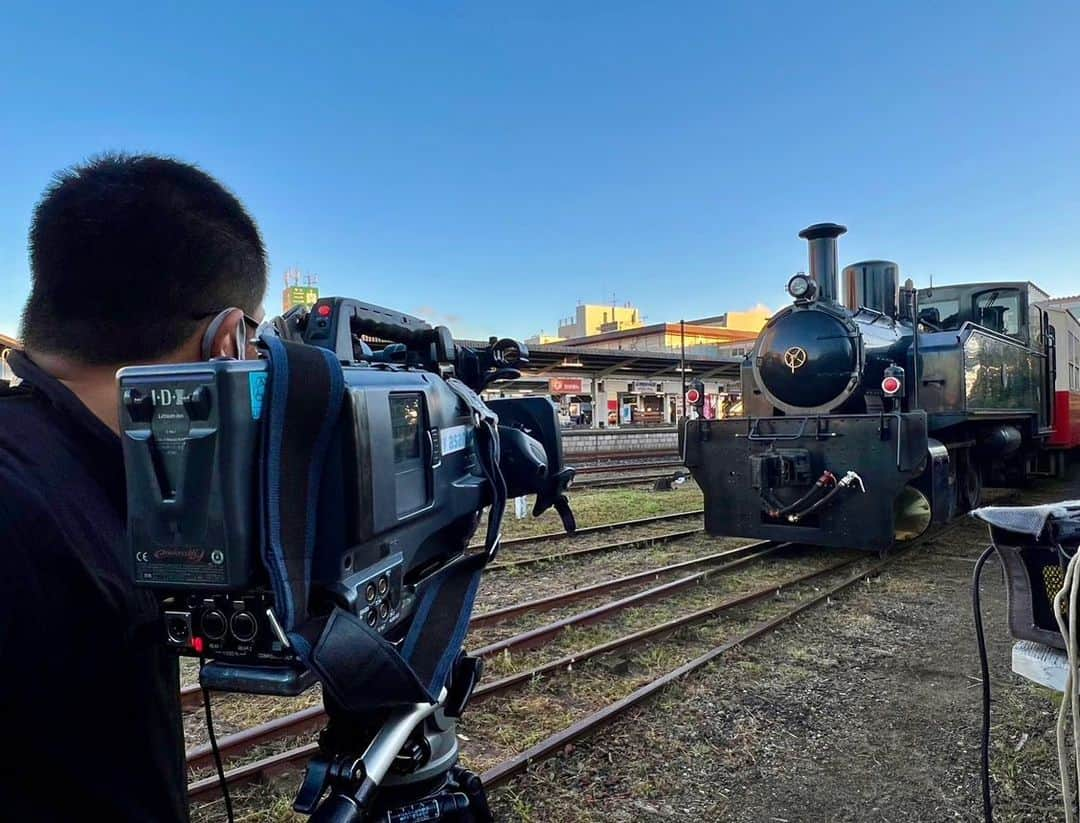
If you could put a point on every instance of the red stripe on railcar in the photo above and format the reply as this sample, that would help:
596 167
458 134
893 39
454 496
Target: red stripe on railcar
1066 419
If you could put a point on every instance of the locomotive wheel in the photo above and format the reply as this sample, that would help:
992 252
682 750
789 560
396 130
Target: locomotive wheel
970 485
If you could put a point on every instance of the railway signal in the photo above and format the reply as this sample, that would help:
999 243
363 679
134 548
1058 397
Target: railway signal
695 395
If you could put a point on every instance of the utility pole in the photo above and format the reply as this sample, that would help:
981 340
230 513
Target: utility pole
682 363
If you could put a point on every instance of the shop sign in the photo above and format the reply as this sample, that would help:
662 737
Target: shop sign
647 387
565 385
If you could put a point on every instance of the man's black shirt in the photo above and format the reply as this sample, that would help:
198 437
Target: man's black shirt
88 694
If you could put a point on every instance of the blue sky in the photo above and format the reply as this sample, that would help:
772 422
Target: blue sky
491 164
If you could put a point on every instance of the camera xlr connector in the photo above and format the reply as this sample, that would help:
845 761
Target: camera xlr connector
178 627
214 624
244 627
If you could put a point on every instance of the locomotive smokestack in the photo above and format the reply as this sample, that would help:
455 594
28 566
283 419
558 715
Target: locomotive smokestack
824 266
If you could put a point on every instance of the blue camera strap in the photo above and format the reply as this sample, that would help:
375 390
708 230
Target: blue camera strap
305 393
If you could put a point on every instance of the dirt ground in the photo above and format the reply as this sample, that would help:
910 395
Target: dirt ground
865 710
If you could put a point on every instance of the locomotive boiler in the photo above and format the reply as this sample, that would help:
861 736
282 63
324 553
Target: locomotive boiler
873 409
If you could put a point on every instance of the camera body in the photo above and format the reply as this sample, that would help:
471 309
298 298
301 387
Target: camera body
399 498
406 483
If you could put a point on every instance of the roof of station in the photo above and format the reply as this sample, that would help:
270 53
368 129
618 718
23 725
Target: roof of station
9 342
555 357
717 333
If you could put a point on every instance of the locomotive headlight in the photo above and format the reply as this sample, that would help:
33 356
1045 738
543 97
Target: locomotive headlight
801 287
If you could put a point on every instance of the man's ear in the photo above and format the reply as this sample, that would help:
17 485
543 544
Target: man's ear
225 336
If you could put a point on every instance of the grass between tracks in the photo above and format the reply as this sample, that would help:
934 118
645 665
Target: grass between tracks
591 508
506 724
697 596
595 507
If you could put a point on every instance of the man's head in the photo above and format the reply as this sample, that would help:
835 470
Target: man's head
133 258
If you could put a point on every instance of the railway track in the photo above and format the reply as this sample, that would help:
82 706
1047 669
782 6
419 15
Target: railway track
587 460
605 527
309 719
502 772
191 696
614 482
607 468
728 560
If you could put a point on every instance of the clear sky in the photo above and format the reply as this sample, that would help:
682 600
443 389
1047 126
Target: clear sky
492 164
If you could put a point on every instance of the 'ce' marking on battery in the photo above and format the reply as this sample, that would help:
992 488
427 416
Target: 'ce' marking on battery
142 557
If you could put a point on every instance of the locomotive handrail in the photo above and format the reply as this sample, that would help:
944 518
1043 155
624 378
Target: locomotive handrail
753 434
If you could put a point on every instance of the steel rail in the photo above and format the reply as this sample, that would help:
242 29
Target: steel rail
607 468
572 595
312 717
511 680
191 696
308 717
635 543
518 763
284 761
542 635
305 719
556 742
605 482
546 536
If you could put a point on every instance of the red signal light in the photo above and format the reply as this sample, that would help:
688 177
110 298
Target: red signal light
323 310
692 396
197 645
890 385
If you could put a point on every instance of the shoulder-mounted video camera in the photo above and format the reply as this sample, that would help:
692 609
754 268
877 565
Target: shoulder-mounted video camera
307 515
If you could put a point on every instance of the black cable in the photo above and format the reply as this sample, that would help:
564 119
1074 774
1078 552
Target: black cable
214 748
988 812
821 501
778 509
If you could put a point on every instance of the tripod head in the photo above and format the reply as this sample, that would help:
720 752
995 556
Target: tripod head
411 759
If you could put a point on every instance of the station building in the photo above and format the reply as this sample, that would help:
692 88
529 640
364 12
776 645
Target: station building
626 374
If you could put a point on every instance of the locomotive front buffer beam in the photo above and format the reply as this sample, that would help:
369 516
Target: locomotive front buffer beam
852 481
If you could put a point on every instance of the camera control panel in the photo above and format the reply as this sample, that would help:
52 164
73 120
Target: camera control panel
245 627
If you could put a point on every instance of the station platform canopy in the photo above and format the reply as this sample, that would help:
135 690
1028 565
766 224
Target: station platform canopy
552 359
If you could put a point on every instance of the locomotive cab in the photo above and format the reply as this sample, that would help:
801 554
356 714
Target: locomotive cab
868 420
1011 309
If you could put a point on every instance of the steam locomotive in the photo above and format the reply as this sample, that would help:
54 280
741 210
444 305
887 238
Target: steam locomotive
867 421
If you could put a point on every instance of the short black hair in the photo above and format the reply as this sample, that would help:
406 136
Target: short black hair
127 251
